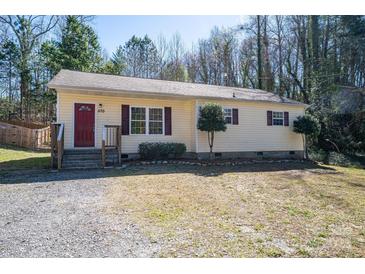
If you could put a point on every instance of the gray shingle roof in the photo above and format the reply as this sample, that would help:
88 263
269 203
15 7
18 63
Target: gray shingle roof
68 79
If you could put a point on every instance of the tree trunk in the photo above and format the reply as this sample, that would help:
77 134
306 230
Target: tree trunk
269 81
211 141
24 94
305 148
302 39
280 52
314 42
259 59
10 76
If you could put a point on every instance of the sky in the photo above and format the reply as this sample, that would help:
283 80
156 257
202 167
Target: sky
116 30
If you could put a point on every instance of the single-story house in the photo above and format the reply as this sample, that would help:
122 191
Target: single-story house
259 123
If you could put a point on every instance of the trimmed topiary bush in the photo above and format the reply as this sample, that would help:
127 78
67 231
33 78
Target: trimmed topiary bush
211 120
307 126
155 151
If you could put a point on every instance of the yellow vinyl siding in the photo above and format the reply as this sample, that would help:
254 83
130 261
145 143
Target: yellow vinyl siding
252 132
182 112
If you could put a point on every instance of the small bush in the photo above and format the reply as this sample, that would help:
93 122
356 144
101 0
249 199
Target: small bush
338 159
318 155
345 160
154 151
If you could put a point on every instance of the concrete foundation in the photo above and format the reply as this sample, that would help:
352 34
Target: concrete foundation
295 154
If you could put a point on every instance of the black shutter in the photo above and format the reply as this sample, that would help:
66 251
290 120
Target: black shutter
269 118
286 118
235 116
168 121
125 119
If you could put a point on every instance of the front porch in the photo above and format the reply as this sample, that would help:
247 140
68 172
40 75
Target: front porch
108 155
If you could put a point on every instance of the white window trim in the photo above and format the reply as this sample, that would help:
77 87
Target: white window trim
272 122
147 120
228 116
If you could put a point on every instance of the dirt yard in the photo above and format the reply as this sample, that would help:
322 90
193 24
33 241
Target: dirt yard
258 210
262 210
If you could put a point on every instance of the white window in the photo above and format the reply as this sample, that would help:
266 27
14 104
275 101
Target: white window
146 120
277 118
155 121
228 115
138 120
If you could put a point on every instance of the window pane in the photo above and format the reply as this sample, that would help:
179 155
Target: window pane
277 115
155 128
228 115
228 112
138 127
228 120
277 122
138 113
155 114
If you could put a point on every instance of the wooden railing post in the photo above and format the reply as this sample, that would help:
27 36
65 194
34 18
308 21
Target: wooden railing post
53 142
59 155
103 147
58 144
103 153
119 136
111 138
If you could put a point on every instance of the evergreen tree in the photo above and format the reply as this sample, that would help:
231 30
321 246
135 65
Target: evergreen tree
78 48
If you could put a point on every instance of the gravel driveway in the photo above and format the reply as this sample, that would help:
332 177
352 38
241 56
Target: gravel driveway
48 214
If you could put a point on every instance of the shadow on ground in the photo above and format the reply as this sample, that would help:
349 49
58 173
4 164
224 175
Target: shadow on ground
46 175
28 163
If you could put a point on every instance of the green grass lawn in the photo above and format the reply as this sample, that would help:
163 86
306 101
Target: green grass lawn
15 158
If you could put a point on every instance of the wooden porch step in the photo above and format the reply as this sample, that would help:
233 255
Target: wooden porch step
81 164
82 151
96 156
88 158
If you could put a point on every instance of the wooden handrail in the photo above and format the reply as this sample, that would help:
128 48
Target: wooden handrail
110 139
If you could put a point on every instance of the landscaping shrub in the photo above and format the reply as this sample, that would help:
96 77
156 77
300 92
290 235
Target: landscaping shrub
338 159
319 155
346 160
154 151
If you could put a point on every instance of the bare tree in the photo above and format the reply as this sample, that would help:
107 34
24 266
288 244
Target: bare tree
162 49
27 30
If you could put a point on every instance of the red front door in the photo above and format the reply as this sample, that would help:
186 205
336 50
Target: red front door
84 125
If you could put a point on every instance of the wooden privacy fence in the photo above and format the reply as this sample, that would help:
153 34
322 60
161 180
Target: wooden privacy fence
25 137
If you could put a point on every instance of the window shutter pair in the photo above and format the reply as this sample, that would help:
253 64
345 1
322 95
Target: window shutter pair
269 118
125 120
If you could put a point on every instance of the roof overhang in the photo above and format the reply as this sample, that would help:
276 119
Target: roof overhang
156 95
